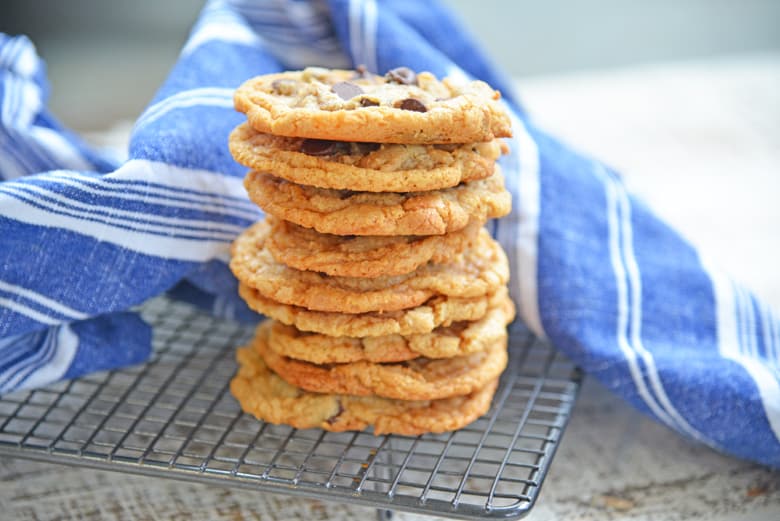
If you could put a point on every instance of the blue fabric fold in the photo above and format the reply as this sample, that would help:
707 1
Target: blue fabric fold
82 239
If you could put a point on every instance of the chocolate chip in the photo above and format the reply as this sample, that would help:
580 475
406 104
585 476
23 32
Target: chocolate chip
319 147
346 90
284 86
365 148
402 75
368 102
335 417
411 104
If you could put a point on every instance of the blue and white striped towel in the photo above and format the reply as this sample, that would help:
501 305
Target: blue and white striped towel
82 240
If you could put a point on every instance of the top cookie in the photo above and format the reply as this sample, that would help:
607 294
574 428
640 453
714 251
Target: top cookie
399 107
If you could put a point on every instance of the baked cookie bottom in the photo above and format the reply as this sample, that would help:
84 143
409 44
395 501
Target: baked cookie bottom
268 397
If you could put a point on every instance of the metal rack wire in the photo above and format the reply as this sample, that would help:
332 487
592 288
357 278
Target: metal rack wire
174 417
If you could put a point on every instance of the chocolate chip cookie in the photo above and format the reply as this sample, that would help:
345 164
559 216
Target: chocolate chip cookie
436 312
363 256
366 167
458 339
418 379
399 107
343 212
265 395
475 272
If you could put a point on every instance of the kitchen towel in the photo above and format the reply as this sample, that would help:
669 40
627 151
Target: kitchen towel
83 240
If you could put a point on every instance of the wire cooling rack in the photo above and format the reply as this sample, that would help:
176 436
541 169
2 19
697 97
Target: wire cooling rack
174 417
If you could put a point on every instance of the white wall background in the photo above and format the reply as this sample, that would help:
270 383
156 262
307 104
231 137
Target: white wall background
106 58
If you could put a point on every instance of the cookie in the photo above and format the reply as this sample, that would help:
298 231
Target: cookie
419 379
478 271
343 212
400 107
366 167
366 256
269 398
438 311
458 339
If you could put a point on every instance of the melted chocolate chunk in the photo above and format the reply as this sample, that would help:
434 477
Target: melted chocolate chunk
335 417
411 104
368 102
402 75
346 90
365 148
320 147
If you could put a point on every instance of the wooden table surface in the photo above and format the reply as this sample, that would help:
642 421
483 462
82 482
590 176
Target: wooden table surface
700 141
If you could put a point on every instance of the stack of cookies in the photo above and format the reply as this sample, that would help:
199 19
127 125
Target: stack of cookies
387 298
